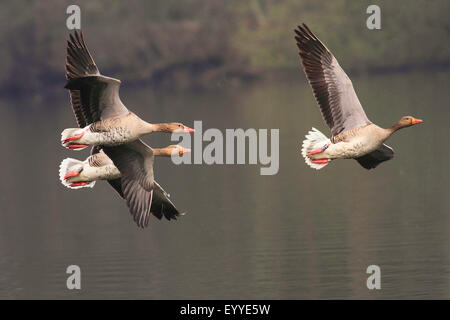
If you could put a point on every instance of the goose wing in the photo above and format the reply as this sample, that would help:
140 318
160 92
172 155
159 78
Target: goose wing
373 159
93 97
161 204
332 88
135 163
98 158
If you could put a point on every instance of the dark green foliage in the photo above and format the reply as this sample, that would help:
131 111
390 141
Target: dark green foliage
195 42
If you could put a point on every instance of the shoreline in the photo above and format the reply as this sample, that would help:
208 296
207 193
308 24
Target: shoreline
192 79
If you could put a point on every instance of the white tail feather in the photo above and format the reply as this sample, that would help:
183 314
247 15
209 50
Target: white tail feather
70 132
314 140
69 165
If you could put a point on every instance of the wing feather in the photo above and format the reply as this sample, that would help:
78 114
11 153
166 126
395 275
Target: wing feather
331 86
373 159
135 163
93 97
161 204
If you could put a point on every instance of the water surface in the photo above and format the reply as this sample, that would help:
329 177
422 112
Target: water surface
299 234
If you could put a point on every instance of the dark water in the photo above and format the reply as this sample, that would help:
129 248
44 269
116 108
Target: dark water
299 234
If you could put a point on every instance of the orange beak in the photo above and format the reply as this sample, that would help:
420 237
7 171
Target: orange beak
184 150
187 129
416 121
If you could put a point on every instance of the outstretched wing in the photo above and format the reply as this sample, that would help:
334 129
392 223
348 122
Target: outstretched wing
135 163
373 159
93 97
161 204
332 88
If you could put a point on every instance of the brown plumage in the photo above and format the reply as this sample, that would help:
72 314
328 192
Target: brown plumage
97 106
98 166
353 134
137 185
79 64
108 124
135 163
332 88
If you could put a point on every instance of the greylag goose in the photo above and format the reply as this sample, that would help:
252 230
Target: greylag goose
101 115
136 185
353 136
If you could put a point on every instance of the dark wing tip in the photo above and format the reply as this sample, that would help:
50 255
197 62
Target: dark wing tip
161 204
75 34
304 36
79 62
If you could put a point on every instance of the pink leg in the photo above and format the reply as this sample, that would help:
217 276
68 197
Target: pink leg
76 146
71 174
320 150
78 184
75 137
319 161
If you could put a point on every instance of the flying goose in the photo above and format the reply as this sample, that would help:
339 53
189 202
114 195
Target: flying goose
101 115
354 136
136 185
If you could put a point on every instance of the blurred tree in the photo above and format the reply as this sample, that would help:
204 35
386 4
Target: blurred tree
195 42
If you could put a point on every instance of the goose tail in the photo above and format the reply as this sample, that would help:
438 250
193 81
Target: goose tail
70 136
69 166
314 140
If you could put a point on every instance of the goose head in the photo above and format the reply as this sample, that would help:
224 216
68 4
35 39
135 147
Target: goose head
178 127
172 150
178 150
407 121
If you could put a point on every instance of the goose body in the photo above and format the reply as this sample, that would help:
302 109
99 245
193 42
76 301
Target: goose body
354 136
101 115
76 174
109 132
136 184
354 143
